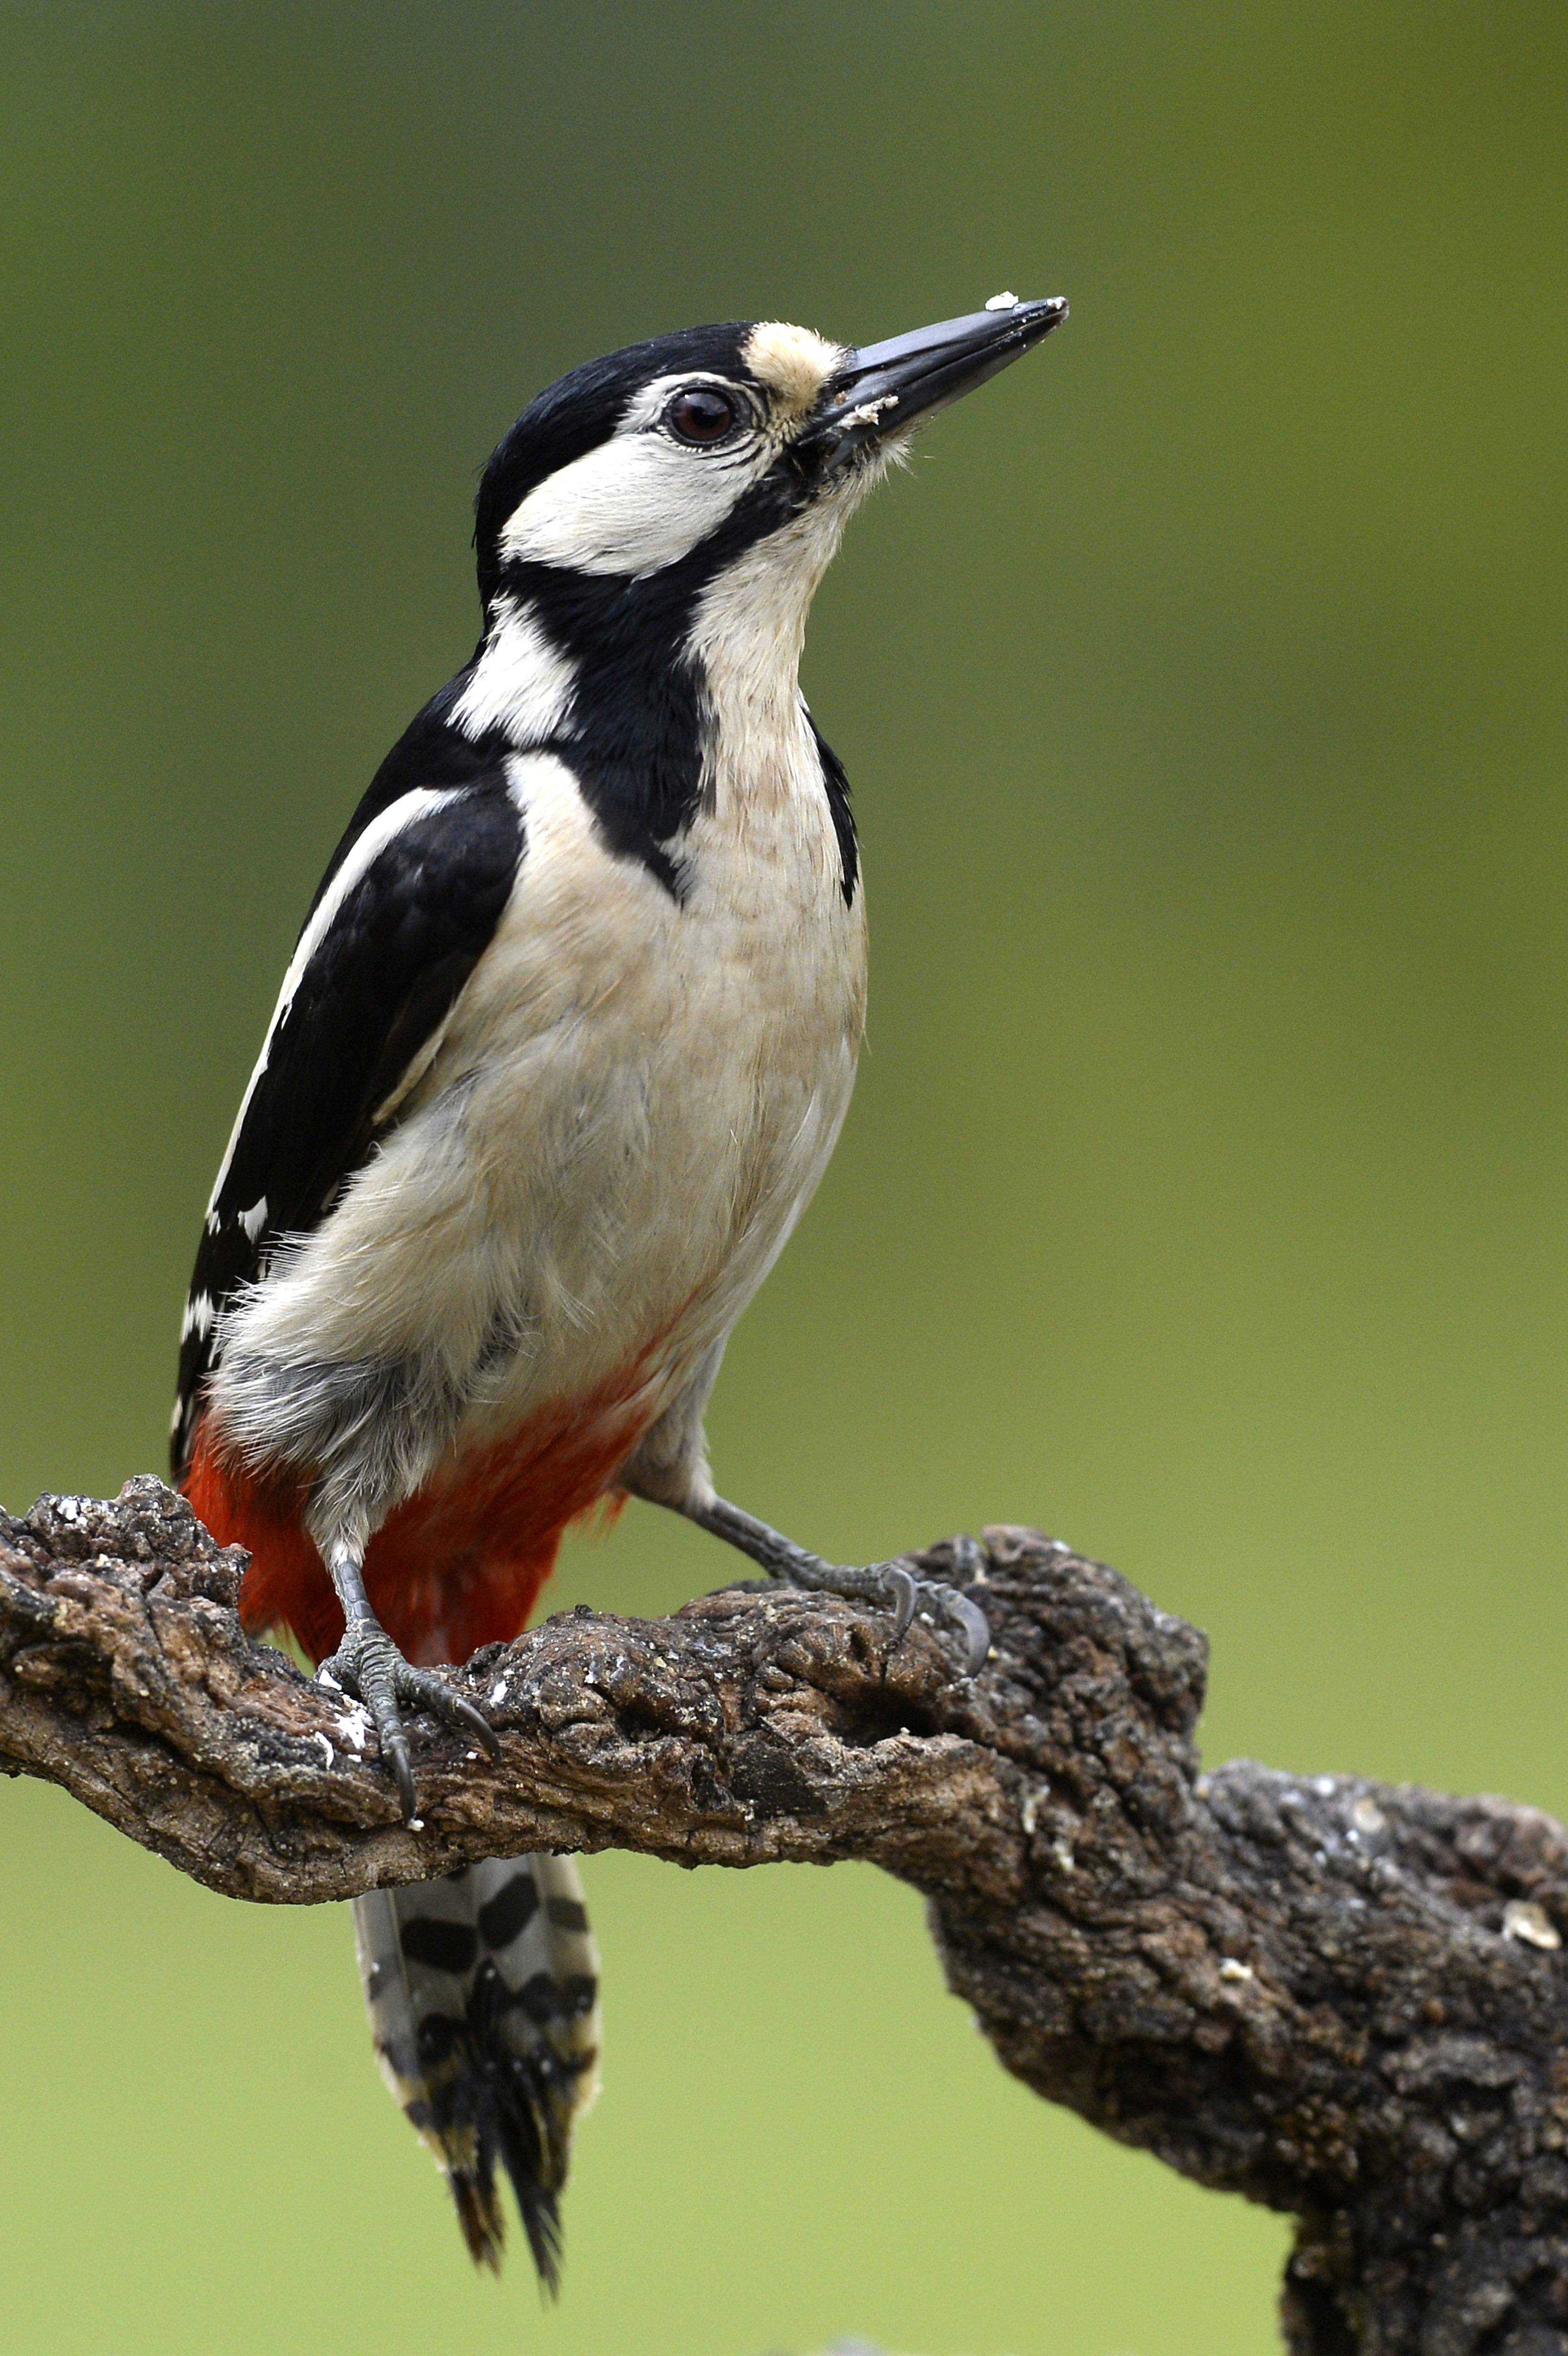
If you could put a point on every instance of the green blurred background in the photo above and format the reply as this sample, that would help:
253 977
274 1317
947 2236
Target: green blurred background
1203 695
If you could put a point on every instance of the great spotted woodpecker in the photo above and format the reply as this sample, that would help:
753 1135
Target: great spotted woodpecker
561 1054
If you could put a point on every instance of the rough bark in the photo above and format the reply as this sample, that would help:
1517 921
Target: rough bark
1341 1999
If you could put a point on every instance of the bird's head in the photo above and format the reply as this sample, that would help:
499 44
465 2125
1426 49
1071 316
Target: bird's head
667 461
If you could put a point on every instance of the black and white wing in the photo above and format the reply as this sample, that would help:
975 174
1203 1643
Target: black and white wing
404 912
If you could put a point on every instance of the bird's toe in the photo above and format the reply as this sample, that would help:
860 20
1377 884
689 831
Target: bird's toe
423 1689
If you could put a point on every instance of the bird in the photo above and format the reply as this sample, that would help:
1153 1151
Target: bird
564 1045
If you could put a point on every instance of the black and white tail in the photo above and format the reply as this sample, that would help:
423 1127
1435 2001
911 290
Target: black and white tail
483 1991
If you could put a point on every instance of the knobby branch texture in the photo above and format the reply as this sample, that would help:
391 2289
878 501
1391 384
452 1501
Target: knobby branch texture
1346 2000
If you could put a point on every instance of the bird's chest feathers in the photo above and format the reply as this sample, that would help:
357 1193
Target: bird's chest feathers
659 1078
701 1035
767 925
634 1097
638 1093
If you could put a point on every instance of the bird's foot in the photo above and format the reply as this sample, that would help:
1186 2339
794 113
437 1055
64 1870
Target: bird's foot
895 1586
900 1588
370 1665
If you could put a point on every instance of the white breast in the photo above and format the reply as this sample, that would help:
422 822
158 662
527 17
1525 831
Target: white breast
630 1107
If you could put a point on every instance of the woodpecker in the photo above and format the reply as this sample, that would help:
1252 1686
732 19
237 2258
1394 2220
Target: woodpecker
561 1052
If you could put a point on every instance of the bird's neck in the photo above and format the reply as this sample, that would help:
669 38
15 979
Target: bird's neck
658 694
575 669
747 634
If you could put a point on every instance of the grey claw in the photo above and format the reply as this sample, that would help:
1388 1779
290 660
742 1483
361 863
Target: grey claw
423 1689
905 1590
975 1626
368 1664
478 1724
943 1603
395 1752
960 1612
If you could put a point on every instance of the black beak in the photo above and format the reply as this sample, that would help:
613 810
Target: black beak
883 388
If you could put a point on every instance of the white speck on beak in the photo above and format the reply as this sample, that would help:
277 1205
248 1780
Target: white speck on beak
1003 302
868 411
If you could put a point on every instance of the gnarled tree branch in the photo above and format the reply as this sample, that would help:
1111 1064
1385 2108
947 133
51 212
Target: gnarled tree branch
1343 2000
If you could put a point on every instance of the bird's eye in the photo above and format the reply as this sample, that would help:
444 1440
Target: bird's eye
703 415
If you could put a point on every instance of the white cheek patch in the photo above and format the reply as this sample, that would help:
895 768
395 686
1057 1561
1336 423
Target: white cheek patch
631 505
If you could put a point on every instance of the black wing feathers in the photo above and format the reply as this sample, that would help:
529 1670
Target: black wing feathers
430 752
385 975
394 957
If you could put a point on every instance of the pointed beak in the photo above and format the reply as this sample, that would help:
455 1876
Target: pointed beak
884 388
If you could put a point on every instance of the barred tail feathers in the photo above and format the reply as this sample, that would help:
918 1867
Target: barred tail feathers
483 1991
